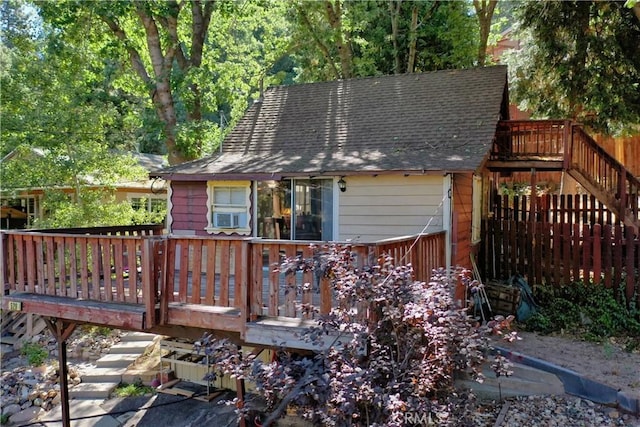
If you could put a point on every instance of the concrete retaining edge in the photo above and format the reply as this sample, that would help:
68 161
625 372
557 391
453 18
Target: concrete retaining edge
576 384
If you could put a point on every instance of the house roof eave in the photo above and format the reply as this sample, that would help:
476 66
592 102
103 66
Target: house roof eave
176 177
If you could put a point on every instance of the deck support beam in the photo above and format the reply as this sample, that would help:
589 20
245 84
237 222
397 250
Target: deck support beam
240 393
62 330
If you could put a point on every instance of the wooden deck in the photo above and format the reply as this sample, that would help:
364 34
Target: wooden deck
561 145
182 286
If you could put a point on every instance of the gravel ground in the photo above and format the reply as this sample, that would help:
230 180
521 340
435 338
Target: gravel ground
560 411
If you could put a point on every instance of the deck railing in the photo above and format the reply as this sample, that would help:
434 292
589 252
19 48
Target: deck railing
541 139
425 252
117 230
206 271
156 271
583 158
106 268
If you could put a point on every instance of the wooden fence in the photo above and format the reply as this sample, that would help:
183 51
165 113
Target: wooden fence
557 240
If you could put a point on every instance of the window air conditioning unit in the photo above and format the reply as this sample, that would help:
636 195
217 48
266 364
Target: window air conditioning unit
226 219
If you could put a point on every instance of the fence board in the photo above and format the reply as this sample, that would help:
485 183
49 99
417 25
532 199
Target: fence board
51 266
73 266
132 267
566 252
576 249
307 282
210 290
629 256
617 260
183 276
547 254
607 255
240 254
118 261
274 262
31 268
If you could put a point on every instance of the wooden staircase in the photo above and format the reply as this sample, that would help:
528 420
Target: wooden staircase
604 177
561 145
17 326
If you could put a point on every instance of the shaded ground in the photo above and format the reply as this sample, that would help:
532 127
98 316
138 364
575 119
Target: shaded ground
606 363
174 411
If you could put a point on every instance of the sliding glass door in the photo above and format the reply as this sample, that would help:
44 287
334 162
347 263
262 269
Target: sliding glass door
297 209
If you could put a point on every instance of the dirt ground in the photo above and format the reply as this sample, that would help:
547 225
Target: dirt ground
606 363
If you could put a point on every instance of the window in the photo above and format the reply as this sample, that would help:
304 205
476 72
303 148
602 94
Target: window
228 207
296 209
149 203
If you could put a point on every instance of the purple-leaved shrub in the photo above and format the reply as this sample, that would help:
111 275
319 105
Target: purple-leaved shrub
399 344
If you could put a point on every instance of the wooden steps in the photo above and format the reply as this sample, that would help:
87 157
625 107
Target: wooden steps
17 326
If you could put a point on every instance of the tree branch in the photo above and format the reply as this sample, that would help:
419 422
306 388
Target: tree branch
334 15
394 11
201 20
134 55
153 40
321 46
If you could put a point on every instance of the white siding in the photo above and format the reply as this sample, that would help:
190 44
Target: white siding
385 206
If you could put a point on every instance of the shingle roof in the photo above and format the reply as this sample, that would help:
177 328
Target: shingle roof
443 120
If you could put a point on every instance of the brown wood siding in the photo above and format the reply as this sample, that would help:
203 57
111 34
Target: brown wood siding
189 207
462 218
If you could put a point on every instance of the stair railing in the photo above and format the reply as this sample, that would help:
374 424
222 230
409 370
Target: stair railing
604 171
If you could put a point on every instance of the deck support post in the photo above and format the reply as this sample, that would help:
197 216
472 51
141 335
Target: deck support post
240 392
62 330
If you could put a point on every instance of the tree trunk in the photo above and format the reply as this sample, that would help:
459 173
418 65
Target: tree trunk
484 11
413 40
323 48
160 89
334 15
394 11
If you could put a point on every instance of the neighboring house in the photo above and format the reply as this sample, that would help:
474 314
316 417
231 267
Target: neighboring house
21 207
362 159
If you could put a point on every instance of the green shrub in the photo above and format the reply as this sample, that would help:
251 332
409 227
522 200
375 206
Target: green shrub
132 390
588 311
35 353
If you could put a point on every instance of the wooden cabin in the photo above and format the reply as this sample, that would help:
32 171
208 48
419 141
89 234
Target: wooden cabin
404 165
360 160
383 163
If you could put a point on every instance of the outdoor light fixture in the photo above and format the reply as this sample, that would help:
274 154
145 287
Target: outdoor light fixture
342 184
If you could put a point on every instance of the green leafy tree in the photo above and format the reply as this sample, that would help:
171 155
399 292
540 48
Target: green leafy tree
339 39
61 122
196 62
580 59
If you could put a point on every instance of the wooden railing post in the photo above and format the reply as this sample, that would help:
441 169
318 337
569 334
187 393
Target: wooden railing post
4 263
255 282
153 269
622 191
568 144
241 288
